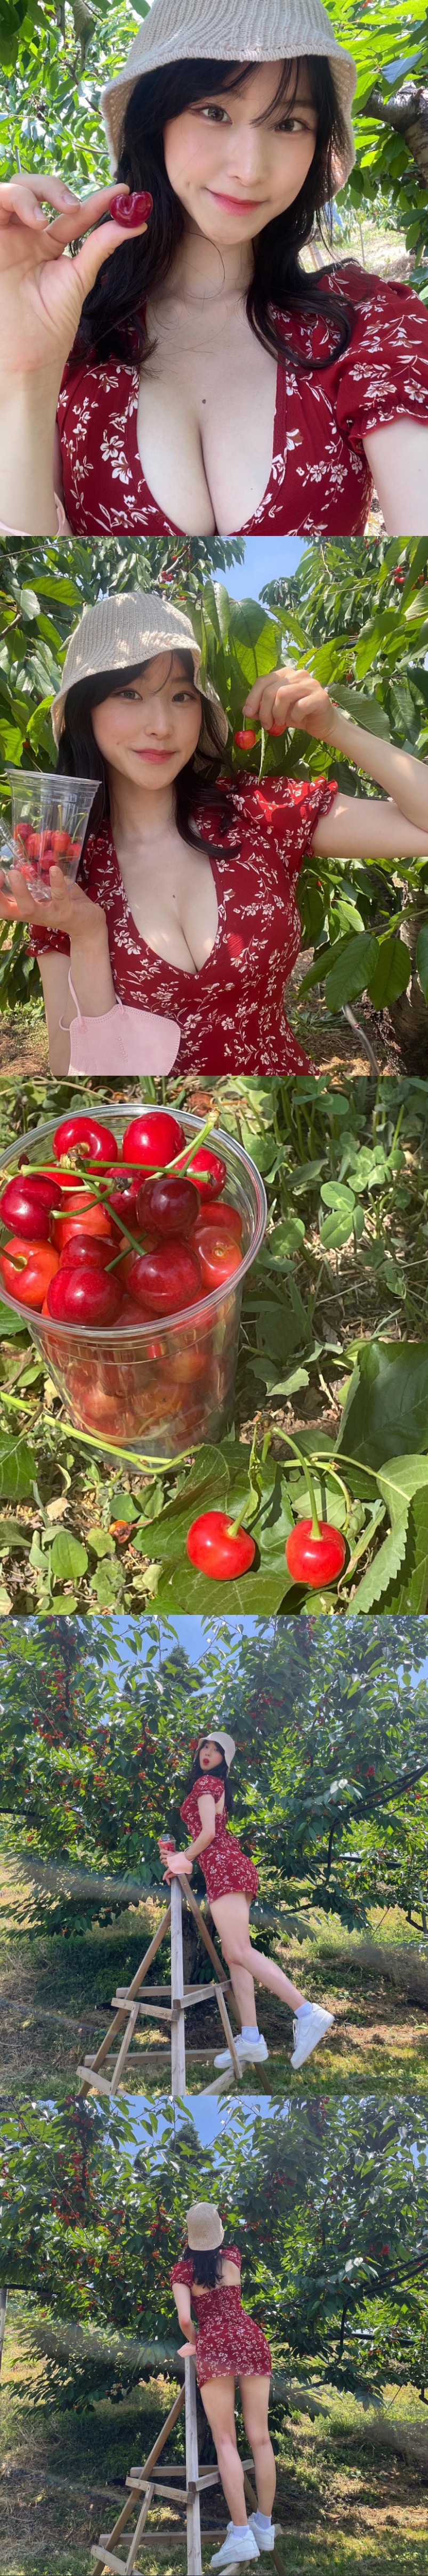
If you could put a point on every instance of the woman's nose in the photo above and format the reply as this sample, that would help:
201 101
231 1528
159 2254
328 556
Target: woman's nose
247 156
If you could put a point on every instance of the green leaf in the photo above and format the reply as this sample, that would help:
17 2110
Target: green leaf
364 711
422 959
68 1556
392 972
123 1509
386 1410
336 1230
335 1195
352 972
101 1542
17 1470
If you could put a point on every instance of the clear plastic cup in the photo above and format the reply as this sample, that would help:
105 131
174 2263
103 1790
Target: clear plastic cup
161 1387
49 820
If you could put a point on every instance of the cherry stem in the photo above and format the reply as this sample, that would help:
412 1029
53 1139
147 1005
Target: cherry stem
303 1463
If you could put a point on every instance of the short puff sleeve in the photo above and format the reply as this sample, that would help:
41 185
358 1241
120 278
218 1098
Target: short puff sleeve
183 2271
292 809
383 374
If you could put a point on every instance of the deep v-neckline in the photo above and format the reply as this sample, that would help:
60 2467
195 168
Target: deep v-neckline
191 978
142 489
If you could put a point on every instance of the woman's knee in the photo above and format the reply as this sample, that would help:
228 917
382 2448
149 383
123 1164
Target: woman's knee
237 1953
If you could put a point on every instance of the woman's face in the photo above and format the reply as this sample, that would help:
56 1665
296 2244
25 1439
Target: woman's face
232 173
210 1754
150 726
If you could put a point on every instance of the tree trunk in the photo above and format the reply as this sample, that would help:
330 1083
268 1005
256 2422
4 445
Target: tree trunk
408 1016
407 113
3 2306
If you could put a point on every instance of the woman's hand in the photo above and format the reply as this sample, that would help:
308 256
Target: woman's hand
186 2351
68 909
178 1866
292 699
42 289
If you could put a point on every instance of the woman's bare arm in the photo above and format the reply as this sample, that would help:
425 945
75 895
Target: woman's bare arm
398 460
357 826
42 290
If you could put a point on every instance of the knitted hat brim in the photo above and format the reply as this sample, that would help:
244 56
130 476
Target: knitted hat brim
240 31
117 634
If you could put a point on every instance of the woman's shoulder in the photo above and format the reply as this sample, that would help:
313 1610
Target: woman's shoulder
365 295
231 2254
210 1786
183 2271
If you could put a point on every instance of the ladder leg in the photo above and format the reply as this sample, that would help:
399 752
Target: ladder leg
194 2557
178 2036
142 2518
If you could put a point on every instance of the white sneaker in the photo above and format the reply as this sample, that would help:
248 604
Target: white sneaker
308 2031
236 2553
268 2541
251 2052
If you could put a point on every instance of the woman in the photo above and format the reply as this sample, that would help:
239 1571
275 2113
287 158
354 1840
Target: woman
184 372
231 1882
185 903
228 2346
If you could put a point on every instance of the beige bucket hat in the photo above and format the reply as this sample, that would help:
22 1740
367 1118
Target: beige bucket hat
231 31
204 2227
132 626
227 1741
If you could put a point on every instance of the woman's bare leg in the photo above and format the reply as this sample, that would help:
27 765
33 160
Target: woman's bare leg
231 1917
218 2398
255 2404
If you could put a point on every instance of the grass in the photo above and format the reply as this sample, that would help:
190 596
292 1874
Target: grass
343 2495
380 2031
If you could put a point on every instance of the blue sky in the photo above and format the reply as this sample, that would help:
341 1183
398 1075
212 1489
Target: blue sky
266 559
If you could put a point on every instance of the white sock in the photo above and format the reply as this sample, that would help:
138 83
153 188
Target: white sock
238 2531
303 2008
250 2030
263 2520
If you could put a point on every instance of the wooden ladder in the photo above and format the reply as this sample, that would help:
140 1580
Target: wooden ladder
167 2004
181 2483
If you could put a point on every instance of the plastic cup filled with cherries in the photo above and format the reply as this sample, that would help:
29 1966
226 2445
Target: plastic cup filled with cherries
125 1247
50 817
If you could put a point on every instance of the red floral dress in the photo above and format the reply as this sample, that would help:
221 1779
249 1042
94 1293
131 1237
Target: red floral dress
231 1014
228 2339
319 480
225 1866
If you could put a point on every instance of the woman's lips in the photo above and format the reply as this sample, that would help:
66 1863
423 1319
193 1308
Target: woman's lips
236 205
154 755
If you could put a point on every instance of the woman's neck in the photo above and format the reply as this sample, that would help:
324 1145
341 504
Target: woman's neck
139 815
204 275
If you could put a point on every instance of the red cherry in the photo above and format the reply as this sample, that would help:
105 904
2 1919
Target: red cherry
88 1137
313 1560
130 210
165 1279
215 1549
208 1171
217 1212
90 1249
246 740
153 1139
217 1253
122 1202
27 1268
84 1296
26 1204
171 1204
85 1215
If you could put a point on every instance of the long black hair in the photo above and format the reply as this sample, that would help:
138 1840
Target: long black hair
207 2266
195 785
112 322
220 1773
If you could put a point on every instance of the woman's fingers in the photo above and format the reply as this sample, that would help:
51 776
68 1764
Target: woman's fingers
98 247
22 200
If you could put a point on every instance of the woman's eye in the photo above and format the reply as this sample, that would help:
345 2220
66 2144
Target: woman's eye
217 115
292 125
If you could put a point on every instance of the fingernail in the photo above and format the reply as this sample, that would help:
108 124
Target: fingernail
39 217
69 197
